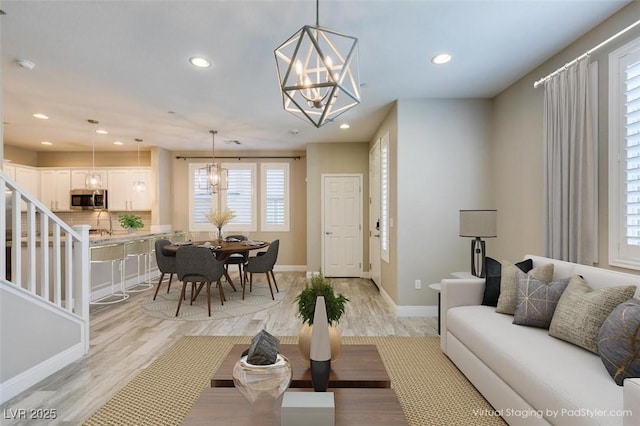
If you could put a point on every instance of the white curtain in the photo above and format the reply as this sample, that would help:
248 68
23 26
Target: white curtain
570 166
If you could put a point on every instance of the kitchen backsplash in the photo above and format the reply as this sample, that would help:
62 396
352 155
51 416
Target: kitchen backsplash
90 217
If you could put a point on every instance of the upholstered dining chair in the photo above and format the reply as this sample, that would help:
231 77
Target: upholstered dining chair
166 264
237 258
262 264
198 265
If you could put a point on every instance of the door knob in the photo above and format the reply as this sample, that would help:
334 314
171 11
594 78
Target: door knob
328 233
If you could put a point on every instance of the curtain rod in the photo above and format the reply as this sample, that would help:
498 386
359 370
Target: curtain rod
240 157
587 53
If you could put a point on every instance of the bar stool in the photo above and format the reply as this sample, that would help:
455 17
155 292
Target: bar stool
140 249
111 253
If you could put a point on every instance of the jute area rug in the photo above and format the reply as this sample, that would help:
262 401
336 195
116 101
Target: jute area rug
165 305
429 387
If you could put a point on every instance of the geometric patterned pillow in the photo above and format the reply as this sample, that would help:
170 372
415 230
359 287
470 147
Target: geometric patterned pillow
536 301
581 311
508 280
619 341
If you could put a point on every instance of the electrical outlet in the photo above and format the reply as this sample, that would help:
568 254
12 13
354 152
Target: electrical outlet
418 285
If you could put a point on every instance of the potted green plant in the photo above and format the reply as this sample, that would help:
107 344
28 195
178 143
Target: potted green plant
131 222
335 306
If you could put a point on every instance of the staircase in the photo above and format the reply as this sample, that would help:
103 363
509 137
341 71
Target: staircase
44 291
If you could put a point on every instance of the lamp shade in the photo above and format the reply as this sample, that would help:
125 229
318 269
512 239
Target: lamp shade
479 223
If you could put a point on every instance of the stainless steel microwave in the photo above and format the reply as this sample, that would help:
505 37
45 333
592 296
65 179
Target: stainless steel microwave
89 199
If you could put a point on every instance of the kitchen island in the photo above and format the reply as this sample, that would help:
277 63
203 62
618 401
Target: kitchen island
134 266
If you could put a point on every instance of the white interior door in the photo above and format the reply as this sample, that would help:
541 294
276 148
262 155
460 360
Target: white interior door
342 225
374 214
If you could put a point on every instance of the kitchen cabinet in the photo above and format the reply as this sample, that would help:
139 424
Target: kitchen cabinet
122 197
27 178
55 186
9 170
78 178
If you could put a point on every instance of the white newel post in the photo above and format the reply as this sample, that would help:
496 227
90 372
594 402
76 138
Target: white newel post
82 279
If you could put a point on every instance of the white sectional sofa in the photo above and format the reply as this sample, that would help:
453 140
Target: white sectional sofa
529 377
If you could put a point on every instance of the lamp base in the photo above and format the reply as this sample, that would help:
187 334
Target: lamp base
477 257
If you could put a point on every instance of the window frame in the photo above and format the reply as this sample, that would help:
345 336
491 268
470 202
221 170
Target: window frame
621 254
264 226
198 226
385 198
251 227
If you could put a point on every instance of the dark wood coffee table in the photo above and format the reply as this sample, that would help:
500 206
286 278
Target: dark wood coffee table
359 366
226 406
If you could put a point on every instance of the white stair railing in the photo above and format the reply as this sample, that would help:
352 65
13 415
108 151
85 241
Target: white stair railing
43 255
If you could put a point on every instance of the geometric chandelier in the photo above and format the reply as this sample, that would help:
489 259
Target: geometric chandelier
318 72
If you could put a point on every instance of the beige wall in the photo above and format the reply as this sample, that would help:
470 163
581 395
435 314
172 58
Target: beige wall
84 159
162 176
517 147
75 159
293 244
326 158
439 164
389 270
20 155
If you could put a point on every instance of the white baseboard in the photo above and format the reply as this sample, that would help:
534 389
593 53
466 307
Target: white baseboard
290 268
417 311
314 273
25 380
409 311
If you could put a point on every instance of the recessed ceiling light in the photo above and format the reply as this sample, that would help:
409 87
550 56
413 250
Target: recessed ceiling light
118 143
102 132
440 59
345 126
26 64
199 62
41 116
46 143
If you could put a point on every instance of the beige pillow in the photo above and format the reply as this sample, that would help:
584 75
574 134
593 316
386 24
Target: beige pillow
507 300
581 311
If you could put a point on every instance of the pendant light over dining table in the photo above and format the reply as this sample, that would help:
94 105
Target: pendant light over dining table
93 180
216 174
139 185
318 73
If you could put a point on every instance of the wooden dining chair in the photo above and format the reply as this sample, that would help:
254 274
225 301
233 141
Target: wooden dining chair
262 264
198 265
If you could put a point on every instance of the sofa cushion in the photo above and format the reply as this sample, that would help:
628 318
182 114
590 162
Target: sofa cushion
582 310
619 341
550 374
507 299
493 270
536 300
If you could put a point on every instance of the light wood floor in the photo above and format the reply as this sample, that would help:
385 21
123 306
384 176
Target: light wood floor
124 341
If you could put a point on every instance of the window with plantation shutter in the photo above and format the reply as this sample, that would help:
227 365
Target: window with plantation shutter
274 197
384 198
201 202
240 196
624 169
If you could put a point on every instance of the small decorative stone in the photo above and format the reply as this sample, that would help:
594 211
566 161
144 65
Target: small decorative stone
264 349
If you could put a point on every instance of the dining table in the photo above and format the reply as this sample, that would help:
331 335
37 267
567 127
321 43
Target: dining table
221 248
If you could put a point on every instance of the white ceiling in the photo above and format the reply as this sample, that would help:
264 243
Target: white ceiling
125 63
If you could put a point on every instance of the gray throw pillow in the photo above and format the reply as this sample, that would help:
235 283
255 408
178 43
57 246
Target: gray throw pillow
507 299
536 300
619 341
582 310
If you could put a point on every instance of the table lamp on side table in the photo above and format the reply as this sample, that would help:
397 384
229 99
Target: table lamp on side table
478 224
